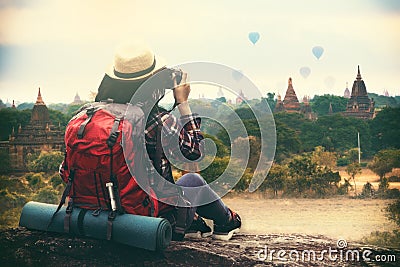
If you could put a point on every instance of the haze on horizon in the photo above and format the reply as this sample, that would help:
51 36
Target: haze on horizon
64 47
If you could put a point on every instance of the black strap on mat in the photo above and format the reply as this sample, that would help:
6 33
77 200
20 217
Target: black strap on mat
64 195
67 217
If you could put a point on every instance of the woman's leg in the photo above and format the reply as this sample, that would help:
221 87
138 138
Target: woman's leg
216 210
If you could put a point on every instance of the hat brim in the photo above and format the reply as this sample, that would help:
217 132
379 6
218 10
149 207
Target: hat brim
160 64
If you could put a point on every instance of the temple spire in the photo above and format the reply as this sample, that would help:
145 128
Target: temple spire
358 73
39 100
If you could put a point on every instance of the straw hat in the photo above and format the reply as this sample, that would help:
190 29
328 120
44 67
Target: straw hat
134 62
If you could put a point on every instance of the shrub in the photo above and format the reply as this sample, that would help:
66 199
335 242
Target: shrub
56 180
384 239
35 180
47 195
10 218
11 200
46 162
342 162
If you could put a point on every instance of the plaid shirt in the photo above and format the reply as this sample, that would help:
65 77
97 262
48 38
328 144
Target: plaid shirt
186 131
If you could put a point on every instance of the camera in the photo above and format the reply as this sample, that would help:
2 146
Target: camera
165 78
168 75
177 73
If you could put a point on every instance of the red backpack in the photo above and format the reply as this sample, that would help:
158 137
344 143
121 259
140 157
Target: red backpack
99 174
94 160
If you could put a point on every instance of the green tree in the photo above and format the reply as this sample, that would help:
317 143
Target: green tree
219 166
385 130
384 161
57 117
352 170
275 179
4 162
254 152
270 100
25 105
287 142
324 158
306 178
393 212
222 149
301 170
382 101
12 118
320 104
221 99
71 110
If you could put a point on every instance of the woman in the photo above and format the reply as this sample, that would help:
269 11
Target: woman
133 65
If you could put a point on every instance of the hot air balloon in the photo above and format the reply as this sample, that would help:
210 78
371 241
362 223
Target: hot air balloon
237 75
318 51
305 72
254 37
330 82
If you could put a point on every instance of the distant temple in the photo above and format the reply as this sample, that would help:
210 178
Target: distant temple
241 97
77 100
386 93
279 105
291 103
39 135
346 91
359 104
306 109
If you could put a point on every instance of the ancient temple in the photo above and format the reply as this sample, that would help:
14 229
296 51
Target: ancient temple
39 135
360 105
279 105
290 102
306 109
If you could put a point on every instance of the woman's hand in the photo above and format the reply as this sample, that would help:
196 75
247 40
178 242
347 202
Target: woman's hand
181 94
181 90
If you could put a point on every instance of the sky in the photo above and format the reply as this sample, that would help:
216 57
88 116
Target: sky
64 47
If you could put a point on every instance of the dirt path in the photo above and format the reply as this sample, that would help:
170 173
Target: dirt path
350 219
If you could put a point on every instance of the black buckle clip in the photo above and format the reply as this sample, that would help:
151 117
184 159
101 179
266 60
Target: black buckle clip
68 210
97 212
112 139
112 215
90 111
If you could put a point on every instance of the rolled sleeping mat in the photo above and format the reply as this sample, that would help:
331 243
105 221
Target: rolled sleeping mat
134 230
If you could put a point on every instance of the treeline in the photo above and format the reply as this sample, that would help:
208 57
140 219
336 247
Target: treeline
336 133
12 118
